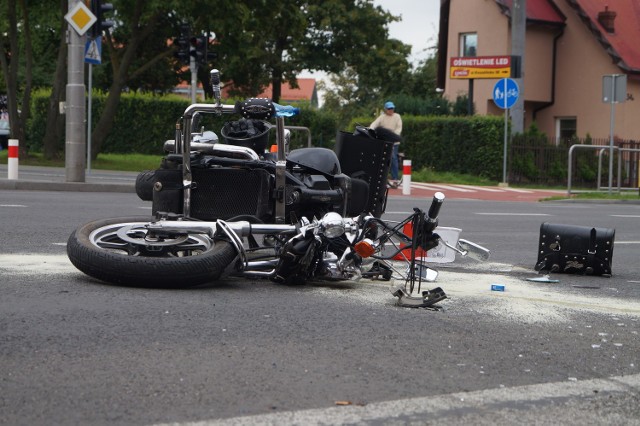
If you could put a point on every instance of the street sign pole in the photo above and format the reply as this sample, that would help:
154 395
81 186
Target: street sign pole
194 78
612 121
90 81
92 56
506 128
505 95
75 107
614 90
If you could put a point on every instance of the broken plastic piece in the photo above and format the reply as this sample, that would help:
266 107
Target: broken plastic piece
544 279
378 271
428 298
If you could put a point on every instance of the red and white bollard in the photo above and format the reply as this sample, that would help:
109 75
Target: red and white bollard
12 159
406 177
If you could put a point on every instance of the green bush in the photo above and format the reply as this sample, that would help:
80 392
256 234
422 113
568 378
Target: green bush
470 145
144 122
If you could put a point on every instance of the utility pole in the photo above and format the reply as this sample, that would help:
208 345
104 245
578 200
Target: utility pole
75 109
518 35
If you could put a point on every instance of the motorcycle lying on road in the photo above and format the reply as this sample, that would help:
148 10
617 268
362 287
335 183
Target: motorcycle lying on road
237 209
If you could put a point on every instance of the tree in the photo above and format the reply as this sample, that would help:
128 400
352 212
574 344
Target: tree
10 65
258 43
358 92
55 123
139 21
424 78
276 41
134 49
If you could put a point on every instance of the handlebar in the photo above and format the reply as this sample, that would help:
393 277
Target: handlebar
256 108
252 108
436 204
215 84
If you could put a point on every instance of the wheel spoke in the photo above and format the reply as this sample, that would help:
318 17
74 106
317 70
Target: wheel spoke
134 239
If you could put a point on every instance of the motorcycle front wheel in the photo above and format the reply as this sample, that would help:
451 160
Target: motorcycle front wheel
121 251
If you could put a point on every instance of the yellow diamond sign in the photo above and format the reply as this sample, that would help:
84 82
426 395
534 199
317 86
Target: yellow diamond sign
80 18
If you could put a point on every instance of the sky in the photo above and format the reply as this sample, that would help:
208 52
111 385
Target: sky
418 27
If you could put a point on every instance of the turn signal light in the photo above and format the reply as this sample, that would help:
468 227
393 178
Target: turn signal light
365 248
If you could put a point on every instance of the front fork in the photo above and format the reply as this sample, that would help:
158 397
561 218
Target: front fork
281 170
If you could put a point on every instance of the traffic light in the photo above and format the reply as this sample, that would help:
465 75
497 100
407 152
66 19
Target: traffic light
182 43
98 8
199 49
210 55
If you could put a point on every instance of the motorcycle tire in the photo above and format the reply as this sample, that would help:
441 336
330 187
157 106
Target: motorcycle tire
144 184
107 250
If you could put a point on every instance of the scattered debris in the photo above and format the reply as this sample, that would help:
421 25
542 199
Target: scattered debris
358 404
378 271
544 279
428 298
497 287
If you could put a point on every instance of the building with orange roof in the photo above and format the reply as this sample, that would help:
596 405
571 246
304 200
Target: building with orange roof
570 45
306 91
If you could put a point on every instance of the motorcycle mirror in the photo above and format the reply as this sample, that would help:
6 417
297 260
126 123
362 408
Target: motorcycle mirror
474 251
426 273
195 122
287 140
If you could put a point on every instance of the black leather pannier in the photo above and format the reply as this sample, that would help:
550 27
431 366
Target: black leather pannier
575 249
367 159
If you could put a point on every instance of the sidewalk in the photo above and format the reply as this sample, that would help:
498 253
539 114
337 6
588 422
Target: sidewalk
35 178
494 193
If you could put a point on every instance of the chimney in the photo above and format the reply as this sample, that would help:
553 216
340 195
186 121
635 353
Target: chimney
606 19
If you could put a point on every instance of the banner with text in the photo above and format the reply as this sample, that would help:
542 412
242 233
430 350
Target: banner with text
480 67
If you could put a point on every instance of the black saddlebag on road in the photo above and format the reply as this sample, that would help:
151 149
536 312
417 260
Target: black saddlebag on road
575 249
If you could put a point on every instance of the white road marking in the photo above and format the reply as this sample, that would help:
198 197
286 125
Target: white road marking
625 215
627 242
476 188
35 264
438 406
482 188
514 214
524 191
440 186
12 205
426 186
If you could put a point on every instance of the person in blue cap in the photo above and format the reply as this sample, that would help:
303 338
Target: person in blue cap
391 120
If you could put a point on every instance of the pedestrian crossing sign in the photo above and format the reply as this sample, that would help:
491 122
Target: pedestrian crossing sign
93 51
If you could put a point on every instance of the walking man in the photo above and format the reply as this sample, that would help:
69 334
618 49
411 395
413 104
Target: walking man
391 120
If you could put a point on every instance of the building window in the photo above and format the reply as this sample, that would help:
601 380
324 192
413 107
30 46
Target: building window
468 44
566 128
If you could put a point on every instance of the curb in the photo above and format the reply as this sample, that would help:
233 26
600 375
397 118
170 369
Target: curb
32 185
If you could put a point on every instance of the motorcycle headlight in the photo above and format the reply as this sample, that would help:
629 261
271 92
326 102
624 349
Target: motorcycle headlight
332 225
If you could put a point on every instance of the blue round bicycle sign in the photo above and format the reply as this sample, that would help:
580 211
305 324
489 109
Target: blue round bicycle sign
505 93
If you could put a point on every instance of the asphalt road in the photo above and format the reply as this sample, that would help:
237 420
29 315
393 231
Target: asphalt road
54 179
76 351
